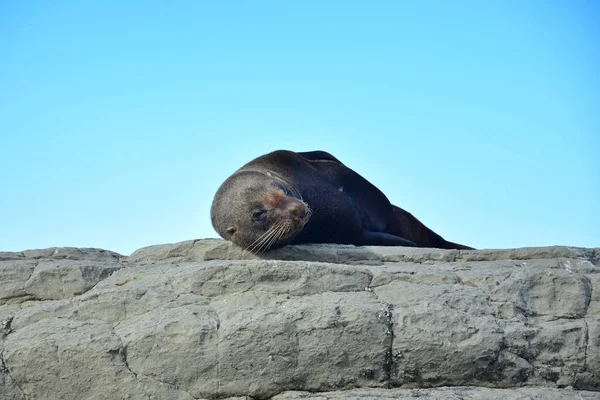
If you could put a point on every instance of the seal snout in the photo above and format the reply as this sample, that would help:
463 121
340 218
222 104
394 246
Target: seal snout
288 208
298 211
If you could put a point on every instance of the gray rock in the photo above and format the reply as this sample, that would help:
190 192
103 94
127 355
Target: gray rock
53 280
72 253
13 276
193 363
204 319
457 393
61 358
320 342
54 273
443 334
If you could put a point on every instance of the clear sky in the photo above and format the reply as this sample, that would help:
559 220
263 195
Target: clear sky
119 120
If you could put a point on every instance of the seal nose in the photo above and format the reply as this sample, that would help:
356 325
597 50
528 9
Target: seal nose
298 210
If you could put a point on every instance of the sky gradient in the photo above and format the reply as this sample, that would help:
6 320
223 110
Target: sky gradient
119 120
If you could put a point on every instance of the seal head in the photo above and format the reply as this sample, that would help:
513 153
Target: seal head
258 210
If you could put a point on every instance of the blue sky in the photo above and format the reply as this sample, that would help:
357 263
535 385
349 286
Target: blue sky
119 120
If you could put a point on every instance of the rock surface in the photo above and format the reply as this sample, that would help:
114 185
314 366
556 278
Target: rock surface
204 320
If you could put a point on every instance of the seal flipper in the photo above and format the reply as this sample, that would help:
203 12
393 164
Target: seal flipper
383 239
457 246
403 223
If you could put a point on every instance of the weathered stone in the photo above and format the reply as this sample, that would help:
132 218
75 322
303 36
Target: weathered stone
560 349
61 358
176 252
415 273
13 276
457 393
594 307
9 255
187 335
323 341
547 293
54 273
212 249
220 278
443 334
54 280
590 378
204 319
9 390
73 253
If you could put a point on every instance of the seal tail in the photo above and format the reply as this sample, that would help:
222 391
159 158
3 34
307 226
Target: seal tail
404 224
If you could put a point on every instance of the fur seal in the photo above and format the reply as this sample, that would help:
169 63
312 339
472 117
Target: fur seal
286 197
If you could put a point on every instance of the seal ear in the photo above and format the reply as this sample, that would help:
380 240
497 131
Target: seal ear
231 230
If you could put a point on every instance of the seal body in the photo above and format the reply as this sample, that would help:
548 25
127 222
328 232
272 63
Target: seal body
289 198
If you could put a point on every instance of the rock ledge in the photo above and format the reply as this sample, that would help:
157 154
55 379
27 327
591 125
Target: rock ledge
204 320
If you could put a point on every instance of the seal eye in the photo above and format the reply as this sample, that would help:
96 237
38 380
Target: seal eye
258 215
285 191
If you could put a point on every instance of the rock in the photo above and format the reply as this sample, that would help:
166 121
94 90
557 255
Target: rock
443 334
62 358
177 346
13 276
457 393
63 274
53 280
59 253
204 319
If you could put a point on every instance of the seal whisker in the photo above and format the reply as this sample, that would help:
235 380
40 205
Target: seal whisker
299 195
252 246
282 232
258 249
273 237
268 243
269 239
285 229
309 213
263 239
